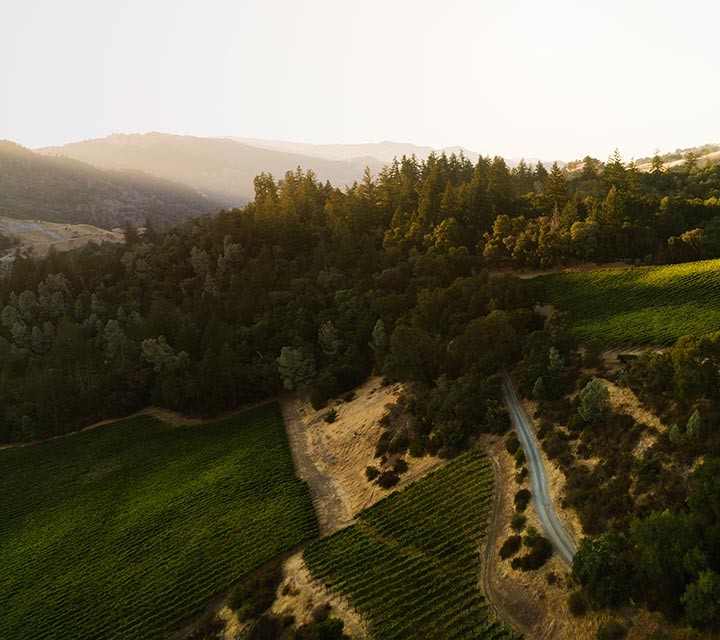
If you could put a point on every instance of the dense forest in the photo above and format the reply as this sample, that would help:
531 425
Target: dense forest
313 287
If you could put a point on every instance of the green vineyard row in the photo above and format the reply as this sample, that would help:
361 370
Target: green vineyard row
411 563
643 305
126 530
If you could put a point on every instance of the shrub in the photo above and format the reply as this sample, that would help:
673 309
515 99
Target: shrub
555 445
266 628
510 547
257 594
400 466
577 603
208 627
331 416
348 396
517 522
417 449
519 458
522 498
317 399
371 473
388 479
399 442
576 423
330 629
381 447
512 444
539 553
594 401
612 630
521 475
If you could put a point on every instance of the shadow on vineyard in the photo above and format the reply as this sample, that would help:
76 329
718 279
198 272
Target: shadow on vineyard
644 305
411 563
122 531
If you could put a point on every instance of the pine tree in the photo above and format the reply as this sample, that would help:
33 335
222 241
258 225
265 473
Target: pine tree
658 166
556 192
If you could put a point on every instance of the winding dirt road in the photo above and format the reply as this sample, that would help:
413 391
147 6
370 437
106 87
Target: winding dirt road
332 511
541 496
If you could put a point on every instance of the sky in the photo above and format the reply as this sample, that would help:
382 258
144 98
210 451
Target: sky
554 79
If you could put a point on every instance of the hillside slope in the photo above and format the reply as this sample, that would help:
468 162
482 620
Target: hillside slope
221 168
62 190
643 305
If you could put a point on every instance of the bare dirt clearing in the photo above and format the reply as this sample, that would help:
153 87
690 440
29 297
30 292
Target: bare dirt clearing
332 459
340 452
38 236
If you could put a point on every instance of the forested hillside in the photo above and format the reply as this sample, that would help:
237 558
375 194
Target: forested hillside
63 190
312 287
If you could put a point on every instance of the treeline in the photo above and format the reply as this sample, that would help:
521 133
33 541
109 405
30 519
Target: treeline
314 287
301 289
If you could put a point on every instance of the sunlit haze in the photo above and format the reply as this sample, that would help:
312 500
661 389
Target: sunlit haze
552 80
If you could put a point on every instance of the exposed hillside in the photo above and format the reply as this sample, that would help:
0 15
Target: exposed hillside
37 237
221 168
704 154
64 190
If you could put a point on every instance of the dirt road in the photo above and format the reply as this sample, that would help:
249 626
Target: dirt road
542 499
332 511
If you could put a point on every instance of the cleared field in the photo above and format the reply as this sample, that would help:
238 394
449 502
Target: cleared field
645 305
126 530
411 564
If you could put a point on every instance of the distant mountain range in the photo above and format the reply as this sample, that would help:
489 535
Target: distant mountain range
64 190
224 168
221 168
167 178
377 152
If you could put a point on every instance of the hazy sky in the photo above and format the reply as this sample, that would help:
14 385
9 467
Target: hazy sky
555 79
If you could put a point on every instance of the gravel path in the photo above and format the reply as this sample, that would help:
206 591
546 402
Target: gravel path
332 511
541 496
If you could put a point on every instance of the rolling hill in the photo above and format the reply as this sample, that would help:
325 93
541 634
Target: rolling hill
224 168
33 186
221 168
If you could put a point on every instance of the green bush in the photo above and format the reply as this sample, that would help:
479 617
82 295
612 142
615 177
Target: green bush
348 396
540 550
510 547
517 522
612 630
317 399
400 466
331 416
388 479
521 500
512 444
416 449
577 603
519 458
381 448
371 473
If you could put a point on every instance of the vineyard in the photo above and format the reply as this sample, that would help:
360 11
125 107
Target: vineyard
126 530
411 564
644 305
